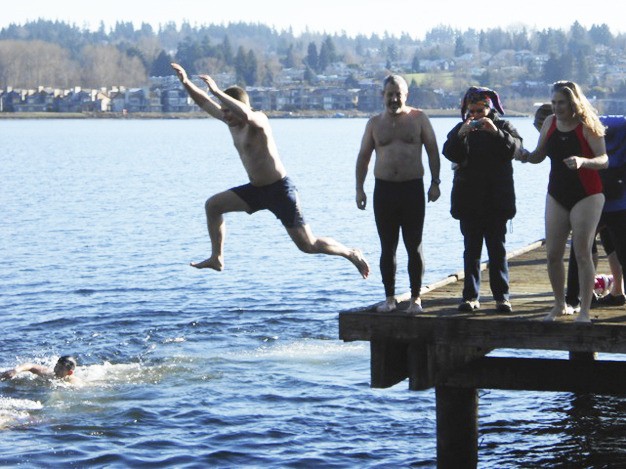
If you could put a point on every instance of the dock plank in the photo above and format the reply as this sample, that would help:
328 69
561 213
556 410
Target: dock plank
450 350
524 328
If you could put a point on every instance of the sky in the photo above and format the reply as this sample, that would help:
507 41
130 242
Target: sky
414 17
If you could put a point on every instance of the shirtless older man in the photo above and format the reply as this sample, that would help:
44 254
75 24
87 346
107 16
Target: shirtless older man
397 135
269 187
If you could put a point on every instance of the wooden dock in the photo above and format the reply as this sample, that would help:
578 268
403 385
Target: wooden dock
447 349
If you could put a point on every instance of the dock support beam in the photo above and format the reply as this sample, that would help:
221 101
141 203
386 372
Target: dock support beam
457 427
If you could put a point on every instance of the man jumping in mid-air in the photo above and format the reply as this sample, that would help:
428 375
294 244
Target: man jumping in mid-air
269 187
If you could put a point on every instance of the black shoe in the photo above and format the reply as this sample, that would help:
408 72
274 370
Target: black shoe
611 300
469 305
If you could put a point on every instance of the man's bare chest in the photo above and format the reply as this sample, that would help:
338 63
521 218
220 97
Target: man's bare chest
401 135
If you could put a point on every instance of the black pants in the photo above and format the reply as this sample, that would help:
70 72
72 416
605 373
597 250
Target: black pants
613 235
493 233
400 206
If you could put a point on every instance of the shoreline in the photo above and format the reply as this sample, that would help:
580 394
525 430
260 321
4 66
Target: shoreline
203 115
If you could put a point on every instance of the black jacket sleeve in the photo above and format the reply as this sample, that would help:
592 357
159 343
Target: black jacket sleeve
510 140
455 148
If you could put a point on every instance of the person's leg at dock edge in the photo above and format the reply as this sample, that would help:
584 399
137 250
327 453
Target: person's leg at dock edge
473 235
614 239
495 239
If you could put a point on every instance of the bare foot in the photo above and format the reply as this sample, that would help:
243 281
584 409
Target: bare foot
415 306
356 257
214 263
583 317
389 305
557 310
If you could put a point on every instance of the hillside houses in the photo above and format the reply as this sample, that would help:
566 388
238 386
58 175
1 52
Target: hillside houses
338 90
168 96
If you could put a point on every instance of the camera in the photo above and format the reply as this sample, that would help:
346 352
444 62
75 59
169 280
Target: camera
475 124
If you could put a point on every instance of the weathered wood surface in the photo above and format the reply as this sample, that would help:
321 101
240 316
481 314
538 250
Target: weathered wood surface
485 329
447 349
537 374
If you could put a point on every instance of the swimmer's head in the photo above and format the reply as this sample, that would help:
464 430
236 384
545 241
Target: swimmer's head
65 366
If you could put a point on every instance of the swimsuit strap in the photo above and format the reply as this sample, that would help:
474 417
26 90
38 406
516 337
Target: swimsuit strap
551 129
584 144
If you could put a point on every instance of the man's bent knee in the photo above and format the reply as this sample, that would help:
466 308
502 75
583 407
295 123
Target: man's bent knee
304 239
305 246
213 206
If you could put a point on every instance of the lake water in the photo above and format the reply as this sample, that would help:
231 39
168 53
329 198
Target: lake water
243 368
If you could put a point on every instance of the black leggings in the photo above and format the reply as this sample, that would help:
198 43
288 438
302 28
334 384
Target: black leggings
400 205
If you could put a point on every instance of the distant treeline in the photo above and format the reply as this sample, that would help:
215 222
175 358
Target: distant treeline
57 54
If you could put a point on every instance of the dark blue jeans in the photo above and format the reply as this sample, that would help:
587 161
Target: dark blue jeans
493 233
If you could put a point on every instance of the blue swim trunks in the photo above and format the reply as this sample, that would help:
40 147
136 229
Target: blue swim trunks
280 198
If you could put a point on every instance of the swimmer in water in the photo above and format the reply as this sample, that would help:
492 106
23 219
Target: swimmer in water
63 370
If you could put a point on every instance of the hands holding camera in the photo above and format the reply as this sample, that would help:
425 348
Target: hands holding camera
481 124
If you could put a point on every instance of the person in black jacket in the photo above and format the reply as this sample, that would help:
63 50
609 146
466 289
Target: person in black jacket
482 147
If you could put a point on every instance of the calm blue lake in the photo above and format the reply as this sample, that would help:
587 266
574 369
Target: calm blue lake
243 368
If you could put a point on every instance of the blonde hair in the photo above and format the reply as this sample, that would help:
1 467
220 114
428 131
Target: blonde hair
581 106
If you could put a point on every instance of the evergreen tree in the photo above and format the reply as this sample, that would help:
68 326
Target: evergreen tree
132 51
579 42
459 47
392 53
252 68
146 30
552 69
312 58
246 67
322 60
205 49
582 69
227 51
550 41
309 75
289 61
268 76
161 66
601 35
328 54
520 40
559 68
351 82
415 64
101 35
240 66
188 52
482 41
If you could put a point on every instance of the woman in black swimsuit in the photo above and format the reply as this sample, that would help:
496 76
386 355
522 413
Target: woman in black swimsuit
573 138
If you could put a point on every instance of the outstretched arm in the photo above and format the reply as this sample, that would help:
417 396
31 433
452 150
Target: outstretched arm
540 152
38 370
200 97
241 110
